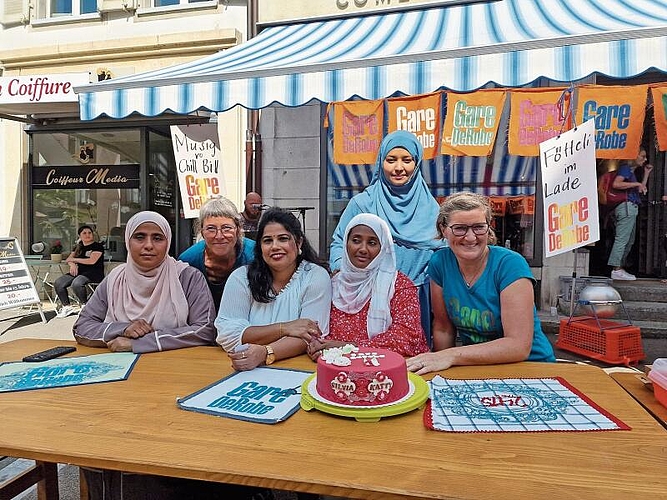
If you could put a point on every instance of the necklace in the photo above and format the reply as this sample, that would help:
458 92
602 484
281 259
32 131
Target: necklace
287 285
470 281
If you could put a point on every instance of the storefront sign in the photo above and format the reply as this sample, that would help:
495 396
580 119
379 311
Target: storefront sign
198 163
420 115
16 285
357 131
471 123
570 190
619 118
42 88
535 116
86 177
274 12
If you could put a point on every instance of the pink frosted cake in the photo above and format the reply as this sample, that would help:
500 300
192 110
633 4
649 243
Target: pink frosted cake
361 377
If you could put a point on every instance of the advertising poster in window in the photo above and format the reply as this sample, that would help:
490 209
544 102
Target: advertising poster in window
199 165
570 190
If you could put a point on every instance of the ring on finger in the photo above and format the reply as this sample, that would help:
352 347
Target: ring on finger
243 355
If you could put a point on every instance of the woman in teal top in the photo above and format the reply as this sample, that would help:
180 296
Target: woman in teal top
483 293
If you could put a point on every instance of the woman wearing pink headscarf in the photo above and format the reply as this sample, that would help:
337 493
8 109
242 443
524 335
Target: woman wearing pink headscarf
153 302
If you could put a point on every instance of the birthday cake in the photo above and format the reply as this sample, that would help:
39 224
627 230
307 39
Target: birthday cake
356 376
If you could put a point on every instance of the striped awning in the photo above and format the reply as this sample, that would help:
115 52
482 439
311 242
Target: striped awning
463 47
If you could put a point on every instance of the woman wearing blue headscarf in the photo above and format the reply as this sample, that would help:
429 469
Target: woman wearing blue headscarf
399 195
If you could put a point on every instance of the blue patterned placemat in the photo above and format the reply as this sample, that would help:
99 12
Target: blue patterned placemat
63 372
264 395
514 405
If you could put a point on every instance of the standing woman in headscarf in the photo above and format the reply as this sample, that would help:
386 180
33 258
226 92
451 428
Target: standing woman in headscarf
151 303
374 305
398 195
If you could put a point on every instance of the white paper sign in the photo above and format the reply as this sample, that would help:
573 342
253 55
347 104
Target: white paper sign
570 190
264 395
16 285
199 165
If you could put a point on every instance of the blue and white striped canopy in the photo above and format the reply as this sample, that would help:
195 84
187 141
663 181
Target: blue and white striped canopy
463 47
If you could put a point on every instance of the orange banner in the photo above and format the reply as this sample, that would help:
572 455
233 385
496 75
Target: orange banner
619 118
535 117
357 131
471 123
420 115
498 205
660 115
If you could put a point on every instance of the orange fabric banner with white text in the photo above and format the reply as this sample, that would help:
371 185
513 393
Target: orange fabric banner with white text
472 122
660 114
357 131
420 115
535 116
619 113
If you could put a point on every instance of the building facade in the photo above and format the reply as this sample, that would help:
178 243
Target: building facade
59 172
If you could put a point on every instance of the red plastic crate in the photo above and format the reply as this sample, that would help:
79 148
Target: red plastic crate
614 343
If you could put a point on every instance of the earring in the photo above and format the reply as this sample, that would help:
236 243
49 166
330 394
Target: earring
299 251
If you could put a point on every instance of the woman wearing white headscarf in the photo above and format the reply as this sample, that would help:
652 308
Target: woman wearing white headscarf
151 303
374 304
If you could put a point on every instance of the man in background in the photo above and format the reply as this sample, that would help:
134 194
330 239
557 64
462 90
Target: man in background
251 213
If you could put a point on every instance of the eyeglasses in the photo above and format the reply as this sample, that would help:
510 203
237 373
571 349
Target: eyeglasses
225 230
462 229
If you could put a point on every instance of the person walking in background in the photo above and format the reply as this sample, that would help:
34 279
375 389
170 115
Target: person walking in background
252 210
374 305
223 248
86 265
625 214
481 293
398 195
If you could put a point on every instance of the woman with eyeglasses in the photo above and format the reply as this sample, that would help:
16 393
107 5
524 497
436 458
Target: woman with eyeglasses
223 247
274 307
399 195
480 293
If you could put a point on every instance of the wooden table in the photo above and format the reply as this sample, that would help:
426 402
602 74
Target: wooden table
642 393
136 426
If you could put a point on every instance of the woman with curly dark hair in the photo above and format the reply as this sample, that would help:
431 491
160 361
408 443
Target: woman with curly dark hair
272 308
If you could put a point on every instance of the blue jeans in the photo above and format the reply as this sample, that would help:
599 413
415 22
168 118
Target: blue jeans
625 216
78 284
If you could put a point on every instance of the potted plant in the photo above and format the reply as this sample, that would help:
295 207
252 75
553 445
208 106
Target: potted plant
56 251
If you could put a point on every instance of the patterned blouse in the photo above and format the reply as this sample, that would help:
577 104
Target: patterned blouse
405 335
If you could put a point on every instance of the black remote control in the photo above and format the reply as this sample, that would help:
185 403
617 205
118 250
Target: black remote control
54 352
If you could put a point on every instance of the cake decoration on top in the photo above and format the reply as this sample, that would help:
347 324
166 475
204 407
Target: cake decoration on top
336 355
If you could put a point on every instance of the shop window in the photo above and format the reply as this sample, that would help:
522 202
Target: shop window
85 178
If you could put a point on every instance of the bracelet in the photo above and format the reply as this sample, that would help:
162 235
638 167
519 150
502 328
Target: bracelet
280 326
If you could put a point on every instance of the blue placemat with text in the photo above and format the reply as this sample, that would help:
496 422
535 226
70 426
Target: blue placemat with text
264 395
63 372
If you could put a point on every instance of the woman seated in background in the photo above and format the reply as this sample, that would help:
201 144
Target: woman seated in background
374 304
86 265
272 308
223 249
483 293
152 303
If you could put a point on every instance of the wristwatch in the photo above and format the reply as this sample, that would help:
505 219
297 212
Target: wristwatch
270 355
